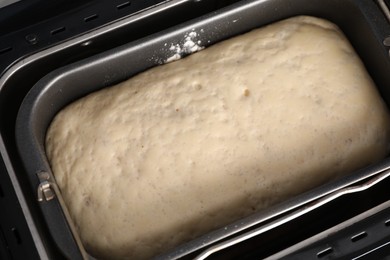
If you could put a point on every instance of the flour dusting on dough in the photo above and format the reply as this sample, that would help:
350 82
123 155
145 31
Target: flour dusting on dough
188 46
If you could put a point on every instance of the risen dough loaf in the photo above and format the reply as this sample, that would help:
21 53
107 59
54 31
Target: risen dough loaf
190 146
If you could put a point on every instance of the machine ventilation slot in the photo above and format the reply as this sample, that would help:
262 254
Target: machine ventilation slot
324 252
387 223
58 30
359 236
91 18
17 235
4 50
123 5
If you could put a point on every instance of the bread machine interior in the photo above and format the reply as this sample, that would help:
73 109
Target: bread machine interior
181 40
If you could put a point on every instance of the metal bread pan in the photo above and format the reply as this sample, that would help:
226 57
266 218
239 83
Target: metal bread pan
361 21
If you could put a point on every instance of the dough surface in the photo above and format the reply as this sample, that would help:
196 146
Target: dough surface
189 146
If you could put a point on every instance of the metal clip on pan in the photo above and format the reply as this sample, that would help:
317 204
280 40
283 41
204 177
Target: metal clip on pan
45 191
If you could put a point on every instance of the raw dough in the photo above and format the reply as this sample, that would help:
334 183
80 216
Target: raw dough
192 145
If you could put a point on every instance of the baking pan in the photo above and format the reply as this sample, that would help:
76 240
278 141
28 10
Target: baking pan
361 21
